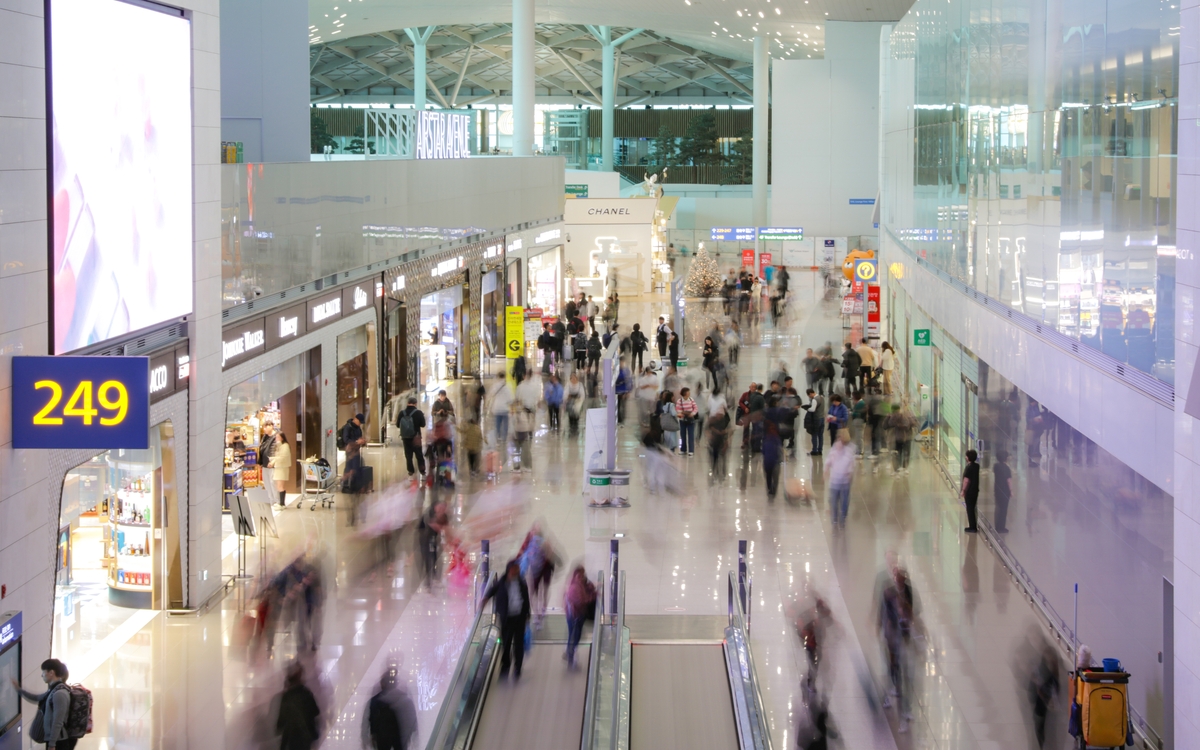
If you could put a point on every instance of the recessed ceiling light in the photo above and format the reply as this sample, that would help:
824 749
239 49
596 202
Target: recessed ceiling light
739 14
819 28
760 14
778 12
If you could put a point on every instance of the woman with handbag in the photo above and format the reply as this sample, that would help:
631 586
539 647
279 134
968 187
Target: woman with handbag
668 420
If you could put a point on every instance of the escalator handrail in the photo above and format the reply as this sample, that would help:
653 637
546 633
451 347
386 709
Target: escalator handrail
589 701
749 710
618 629
456 682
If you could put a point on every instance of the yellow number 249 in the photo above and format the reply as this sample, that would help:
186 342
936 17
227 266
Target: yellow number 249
80 403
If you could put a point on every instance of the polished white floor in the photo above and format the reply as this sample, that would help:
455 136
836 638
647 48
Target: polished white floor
180 683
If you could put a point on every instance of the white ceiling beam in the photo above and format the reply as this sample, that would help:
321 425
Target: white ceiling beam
461 75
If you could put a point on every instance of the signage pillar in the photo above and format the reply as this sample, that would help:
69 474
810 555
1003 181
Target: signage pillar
608 97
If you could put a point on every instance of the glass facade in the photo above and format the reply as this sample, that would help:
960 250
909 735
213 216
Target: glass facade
1030 151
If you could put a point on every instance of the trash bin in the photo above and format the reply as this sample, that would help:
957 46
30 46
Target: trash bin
619 488
600 484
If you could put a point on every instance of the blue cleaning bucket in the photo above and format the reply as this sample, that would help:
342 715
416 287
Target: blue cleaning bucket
1112 665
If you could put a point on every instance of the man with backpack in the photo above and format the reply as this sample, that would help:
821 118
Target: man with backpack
390 721
64 711
410 423
638 346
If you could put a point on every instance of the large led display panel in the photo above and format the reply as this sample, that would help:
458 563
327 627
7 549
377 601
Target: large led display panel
120 132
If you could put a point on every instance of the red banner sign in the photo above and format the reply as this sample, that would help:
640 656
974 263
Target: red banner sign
748 257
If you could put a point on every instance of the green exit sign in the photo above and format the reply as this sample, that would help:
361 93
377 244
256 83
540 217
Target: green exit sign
920 337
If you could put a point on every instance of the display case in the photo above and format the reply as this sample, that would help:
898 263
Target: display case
129 539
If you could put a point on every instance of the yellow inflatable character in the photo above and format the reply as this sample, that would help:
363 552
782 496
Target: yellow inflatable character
853 257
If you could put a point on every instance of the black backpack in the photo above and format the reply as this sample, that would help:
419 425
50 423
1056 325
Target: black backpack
382 719
408 427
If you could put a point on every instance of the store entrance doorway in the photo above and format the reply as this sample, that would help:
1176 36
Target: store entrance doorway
441 344
118 544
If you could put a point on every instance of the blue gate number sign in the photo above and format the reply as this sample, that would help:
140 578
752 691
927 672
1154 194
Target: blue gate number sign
98 403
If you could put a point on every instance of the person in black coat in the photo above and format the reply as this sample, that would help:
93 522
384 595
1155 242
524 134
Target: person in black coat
513 616
298 713
673 349
638 346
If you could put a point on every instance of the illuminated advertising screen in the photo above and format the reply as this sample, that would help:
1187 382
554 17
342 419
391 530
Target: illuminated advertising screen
120 131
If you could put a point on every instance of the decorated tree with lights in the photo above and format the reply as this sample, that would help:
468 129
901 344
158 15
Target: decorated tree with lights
703 280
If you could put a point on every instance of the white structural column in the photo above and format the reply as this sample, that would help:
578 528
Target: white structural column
762 99
522 77
608 96
420 41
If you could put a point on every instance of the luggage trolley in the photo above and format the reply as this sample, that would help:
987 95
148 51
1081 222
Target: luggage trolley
319 484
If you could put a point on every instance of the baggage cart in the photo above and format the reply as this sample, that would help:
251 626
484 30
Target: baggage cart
319 484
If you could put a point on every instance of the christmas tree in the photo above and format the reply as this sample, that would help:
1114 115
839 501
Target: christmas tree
703 278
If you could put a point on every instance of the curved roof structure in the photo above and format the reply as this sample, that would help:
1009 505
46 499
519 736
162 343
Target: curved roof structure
687 51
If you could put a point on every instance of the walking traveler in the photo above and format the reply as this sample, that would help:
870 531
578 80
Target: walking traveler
412 422
390 721
851 367
579 603
686 409
901 423
719 428
512 608
668 420
839 471
298 712
887 363
868 360
838 417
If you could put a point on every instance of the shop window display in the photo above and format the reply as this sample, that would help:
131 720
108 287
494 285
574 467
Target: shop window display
118 542
441 316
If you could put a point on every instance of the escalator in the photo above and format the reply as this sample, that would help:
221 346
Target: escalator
545 709
644 683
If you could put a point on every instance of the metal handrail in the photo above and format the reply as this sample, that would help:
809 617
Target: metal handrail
215 596
618 625
750 710
455 681
589 702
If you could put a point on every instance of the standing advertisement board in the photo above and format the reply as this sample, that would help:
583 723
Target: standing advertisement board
748 257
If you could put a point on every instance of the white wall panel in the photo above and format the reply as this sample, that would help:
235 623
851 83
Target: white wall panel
825 134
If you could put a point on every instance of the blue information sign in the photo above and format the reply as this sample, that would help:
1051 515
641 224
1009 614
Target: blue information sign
862 201
733 234
781 233
97 403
